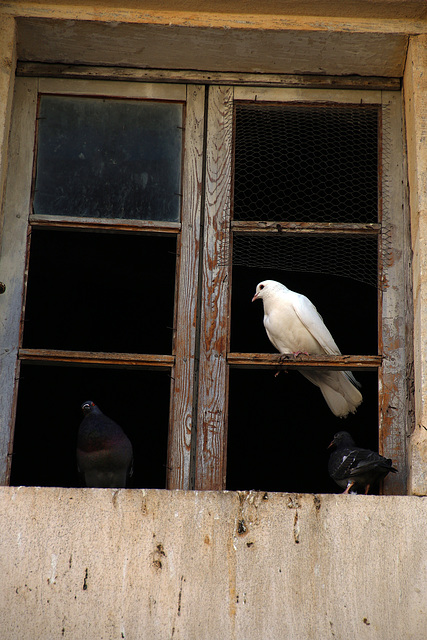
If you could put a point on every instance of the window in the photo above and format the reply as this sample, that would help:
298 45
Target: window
113 193
144 219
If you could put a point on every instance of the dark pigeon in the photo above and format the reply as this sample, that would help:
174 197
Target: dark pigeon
353 468
104 452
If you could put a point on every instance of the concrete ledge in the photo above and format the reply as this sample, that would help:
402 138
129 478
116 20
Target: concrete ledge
101 563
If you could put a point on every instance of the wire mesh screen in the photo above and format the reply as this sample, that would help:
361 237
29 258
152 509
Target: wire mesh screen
356 257
308 163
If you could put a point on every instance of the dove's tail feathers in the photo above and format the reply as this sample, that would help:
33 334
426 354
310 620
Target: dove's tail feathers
340 394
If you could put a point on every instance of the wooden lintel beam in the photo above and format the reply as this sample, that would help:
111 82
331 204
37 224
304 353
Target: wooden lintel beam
46 70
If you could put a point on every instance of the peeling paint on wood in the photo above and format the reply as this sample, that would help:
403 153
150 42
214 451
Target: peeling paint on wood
14 239
394 406
45 70
273 228
301 361
213 371
96 359
415 91
7 78
181 430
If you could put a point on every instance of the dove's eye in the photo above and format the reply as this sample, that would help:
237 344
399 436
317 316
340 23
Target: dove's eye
261 286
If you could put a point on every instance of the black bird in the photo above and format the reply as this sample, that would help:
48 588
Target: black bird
104 452
354 468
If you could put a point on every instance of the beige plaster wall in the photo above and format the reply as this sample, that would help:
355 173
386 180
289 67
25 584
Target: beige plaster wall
100 563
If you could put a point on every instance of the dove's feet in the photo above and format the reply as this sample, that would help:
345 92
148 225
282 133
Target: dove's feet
349 487
295 354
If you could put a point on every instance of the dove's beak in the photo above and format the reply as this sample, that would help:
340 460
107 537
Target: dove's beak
255 297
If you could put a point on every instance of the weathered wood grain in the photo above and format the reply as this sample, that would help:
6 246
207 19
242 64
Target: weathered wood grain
96 359
393 384
327 228
275 361
149 91
213 370
12 257
223 42
7 79
43 69
415 87
183 376
114 225
295 94
377 16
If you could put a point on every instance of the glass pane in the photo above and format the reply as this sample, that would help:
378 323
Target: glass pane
102 158
100 292
299 163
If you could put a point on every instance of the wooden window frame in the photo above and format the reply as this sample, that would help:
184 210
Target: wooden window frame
200 361
395 355
19 220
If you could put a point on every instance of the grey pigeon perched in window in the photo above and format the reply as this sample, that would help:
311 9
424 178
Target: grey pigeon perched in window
353 468
294 326
104 452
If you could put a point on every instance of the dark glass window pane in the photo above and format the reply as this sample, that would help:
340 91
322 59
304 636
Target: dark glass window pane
103 158
306 163
100 292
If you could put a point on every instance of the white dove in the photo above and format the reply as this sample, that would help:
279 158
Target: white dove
293 325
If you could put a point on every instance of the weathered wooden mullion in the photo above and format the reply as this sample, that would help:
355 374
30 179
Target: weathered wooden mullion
96 359
274 361
183 383
74 71
14 240
114 225
318 228
213 370
396 406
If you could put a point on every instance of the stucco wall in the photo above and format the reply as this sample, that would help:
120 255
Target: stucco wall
100 563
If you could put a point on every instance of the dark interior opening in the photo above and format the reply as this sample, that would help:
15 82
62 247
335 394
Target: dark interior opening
279 427
49 414
349 309
100 292
94 292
